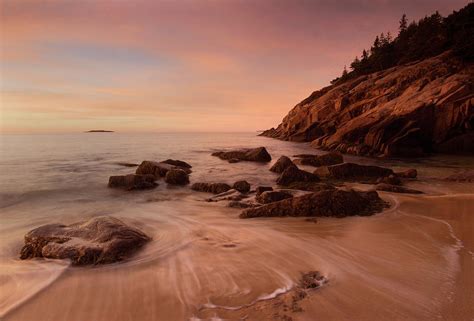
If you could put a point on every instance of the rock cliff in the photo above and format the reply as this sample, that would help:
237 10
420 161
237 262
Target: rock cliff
408 110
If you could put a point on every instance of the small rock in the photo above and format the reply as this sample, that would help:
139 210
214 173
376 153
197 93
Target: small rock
177 177
260 189
132 181
157 169
312 280
214 188
294 174
176 162
409 173
242 186
272 196
259 154
127 164
466 177
281 164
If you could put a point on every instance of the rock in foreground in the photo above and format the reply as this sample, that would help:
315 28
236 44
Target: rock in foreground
334 203
352 171
242 186
157 169
273 196
177 177
100 240
132 181
259 154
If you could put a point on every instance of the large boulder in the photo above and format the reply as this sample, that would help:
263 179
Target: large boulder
177 177
214 188
99 240
408 110
132 181
259 154
242 186
334 203
352 171
396 189
273 196
328 159
281 164
294 174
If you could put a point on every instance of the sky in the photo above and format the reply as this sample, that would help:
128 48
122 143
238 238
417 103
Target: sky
188 65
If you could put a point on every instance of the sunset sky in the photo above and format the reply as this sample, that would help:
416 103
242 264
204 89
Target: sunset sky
146 66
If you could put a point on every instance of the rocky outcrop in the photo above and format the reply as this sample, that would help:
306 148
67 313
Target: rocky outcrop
259 154
177 177
328 159
100 240
294 174
334 203
132 181
408 110
214 188
272 196
281 164
241 186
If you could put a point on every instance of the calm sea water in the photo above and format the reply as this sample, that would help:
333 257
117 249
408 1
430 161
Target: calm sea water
63 178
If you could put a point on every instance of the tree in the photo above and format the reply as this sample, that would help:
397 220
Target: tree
355 64
365 55
344 73
403 24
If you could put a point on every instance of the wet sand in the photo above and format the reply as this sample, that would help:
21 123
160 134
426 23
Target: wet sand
411 262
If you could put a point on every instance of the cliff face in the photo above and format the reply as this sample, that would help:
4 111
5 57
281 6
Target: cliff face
408 110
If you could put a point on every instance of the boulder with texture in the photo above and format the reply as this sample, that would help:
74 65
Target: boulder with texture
294 174
259 154
281 164
99 240
333 203
214 188
132 181
273 196
242 186
177 177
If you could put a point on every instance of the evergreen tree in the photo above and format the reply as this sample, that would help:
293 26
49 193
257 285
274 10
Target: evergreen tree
403 24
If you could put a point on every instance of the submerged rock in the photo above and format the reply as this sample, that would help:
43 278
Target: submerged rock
334 203
132 181
294 174
177 177
242 186
312 280
328 159
396 189
391 179
281 164
99 240
259 154
273 196
214 188
127 164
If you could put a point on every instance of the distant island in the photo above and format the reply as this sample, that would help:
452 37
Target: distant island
99 131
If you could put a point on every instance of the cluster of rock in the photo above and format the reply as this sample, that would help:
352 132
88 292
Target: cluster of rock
408 110
174 172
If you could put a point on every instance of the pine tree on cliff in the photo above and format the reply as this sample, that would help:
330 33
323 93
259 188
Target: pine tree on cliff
403 24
